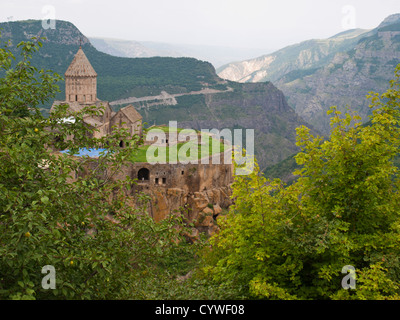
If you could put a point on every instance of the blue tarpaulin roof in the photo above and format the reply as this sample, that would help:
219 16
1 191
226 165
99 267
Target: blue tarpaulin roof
93 153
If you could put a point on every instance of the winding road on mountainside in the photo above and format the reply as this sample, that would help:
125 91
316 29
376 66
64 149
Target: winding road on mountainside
165 96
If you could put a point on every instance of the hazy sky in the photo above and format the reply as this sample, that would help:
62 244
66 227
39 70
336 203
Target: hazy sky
234 23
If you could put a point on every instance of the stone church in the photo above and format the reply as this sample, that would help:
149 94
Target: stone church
81 91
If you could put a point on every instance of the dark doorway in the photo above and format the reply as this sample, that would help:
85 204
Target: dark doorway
144 174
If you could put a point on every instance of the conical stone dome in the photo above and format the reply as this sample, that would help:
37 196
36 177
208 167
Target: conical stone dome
80 66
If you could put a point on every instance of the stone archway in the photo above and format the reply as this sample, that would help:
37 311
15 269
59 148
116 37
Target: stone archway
144 174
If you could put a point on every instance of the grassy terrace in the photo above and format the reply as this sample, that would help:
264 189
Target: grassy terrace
179 149
166 129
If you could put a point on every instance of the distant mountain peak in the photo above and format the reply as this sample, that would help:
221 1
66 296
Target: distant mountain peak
64 33
392 19
348 34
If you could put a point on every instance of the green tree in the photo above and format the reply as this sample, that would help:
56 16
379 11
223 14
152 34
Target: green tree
291 242
71 212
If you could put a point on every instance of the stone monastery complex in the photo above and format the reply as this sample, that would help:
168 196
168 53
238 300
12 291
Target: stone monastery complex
199 191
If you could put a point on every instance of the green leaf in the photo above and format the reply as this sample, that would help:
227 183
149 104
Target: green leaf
45 200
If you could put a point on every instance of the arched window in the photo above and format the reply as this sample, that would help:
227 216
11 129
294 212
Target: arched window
144 174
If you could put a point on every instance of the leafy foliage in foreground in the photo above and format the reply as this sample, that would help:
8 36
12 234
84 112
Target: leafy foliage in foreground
292 242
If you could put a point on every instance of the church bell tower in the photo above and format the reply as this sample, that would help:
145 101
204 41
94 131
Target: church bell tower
81 80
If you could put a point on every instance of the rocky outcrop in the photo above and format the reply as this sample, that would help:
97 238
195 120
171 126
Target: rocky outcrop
198 192
199 208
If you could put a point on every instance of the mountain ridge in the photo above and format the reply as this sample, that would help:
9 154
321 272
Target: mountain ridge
293 54
313 80
216 55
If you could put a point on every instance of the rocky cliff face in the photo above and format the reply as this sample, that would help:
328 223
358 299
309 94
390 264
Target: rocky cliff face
202 208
